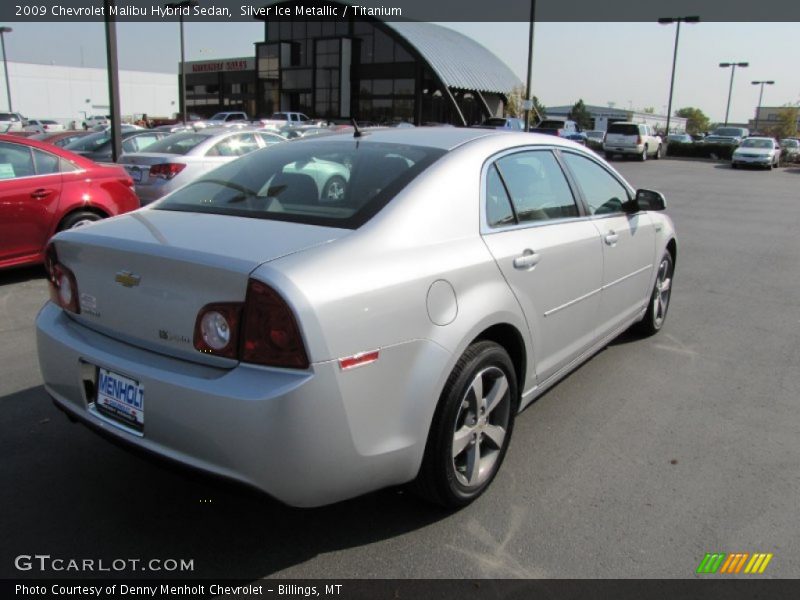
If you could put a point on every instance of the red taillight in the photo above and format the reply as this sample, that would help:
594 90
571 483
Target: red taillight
61 281
263 330
166 170
638 140
270 335
216 330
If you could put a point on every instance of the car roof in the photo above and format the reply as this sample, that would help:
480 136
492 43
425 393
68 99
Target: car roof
445 138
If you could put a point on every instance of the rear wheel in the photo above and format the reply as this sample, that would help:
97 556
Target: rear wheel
659 300
78 219
471 428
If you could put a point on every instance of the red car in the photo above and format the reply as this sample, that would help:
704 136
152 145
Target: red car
44 189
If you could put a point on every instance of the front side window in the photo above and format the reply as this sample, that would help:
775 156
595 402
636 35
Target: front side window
334 184
15 161
603 193
537 186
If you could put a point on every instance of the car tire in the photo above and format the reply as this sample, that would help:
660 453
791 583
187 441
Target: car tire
659 299
643 155
609 155
734 166
334 189
78 219
658 152
474 419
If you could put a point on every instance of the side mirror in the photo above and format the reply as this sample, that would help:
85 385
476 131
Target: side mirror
649 200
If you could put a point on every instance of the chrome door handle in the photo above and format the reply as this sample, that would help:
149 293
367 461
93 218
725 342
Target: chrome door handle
611 237
40 193
527 260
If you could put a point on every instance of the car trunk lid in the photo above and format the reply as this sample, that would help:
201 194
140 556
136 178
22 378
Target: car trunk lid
143 277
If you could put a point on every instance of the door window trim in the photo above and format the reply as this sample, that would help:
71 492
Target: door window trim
486 229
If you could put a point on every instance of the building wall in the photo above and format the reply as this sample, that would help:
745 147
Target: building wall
66 93
604 116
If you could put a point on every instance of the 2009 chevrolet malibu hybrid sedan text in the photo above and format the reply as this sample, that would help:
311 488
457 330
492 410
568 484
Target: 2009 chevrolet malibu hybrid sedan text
321 347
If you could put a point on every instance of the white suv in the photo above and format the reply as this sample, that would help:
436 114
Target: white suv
635 139
11 121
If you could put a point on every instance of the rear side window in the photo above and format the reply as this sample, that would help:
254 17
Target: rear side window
603 193
623 129
537 186
498 204
235 145
330 183
46 163
177 143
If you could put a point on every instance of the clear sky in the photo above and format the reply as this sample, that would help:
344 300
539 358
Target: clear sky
624 63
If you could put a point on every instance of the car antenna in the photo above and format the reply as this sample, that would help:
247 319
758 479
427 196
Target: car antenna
356 131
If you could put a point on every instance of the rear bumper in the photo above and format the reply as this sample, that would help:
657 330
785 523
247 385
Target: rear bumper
307 438
611 149
153 191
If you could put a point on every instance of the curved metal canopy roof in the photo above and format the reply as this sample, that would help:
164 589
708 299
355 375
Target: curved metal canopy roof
459 61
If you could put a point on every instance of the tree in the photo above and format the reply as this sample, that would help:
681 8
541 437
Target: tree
786 125
581 115
696 120
514 106
650 110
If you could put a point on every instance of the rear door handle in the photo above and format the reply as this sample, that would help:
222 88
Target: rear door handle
41 193
611 237
527 260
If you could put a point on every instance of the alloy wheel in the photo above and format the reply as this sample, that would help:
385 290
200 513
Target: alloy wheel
661 297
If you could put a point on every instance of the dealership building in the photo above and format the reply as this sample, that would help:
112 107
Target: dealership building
356 67
69 94
603 116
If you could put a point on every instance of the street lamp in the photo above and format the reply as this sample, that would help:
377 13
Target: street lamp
667 21
760 96
178 6
733 66
3 31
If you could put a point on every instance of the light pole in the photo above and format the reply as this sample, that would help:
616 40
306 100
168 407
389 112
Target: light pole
760 96
3 31
179 6
733 66
667 21
530 64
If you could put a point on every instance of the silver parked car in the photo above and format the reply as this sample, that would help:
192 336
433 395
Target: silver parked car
757 151
181 157
322 348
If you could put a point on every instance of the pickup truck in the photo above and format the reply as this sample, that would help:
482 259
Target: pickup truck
224 119
632 139
290 119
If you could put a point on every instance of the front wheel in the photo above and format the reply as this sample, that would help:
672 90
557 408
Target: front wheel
471 428
659 300
658 152
643 155
334 189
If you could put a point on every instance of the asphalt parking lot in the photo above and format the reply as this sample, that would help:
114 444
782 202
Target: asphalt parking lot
651 454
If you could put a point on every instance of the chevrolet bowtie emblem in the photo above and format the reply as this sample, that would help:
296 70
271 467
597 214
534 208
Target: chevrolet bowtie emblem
127 279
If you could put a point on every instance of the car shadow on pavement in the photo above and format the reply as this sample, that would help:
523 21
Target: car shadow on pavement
18 275
68 493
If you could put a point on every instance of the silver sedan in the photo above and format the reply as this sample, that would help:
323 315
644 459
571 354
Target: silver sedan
183 156
319 348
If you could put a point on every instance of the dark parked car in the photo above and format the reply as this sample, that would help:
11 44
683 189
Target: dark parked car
97 146
44 189
679 138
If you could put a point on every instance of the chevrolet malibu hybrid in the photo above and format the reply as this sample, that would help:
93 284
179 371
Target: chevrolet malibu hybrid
319 347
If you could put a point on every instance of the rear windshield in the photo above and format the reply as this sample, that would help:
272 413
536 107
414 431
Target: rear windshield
8 117
90 142
334 183
755 143
177 143
551 125
790 143
729 132
623 129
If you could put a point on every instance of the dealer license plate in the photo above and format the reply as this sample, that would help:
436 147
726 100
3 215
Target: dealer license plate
120 398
